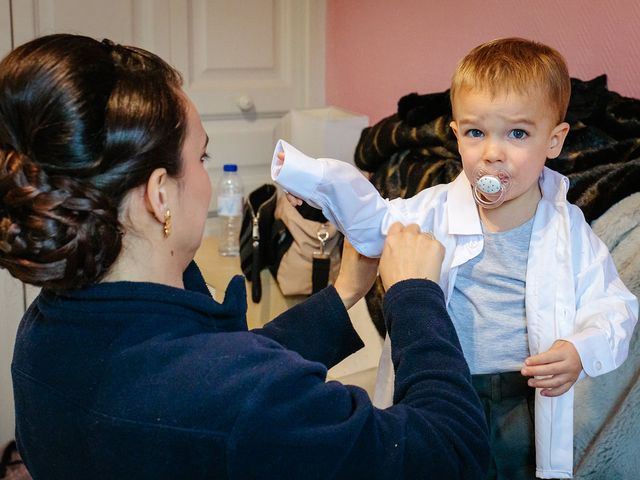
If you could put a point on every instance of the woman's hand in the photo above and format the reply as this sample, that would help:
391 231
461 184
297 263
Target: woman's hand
409 253
357 274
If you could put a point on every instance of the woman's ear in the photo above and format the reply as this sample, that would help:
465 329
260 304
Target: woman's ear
556 140
156 194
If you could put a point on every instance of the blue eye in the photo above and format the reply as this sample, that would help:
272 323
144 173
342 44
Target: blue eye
474 133
518 134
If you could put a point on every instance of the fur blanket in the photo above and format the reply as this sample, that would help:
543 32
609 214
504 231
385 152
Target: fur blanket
607 413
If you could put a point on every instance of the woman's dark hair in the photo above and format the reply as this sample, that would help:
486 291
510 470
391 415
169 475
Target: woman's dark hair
82 122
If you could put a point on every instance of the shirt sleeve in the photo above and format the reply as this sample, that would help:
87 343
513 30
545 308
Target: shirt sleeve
606 311
297 426
346 197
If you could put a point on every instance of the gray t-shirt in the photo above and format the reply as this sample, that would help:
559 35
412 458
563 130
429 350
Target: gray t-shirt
487 303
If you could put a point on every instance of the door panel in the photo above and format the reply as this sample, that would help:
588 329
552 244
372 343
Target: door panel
250 60
130 22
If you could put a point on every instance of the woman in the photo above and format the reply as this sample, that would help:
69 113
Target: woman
125 367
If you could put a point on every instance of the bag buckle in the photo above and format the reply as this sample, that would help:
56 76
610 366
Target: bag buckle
323 235
255 231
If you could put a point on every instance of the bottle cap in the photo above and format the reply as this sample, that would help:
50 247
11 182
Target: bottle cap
230 167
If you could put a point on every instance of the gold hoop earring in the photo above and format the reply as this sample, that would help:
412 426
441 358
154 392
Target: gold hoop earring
167 223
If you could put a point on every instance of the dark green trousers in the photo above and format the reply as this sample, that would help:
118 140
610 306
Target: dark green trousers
508 405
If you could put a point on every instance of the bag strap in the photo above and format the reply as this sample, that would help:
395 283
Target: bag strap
255 235
256 283
320 273
321 263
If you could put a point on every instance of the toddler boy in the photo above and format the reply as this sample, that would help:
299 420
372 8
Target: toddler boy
533 293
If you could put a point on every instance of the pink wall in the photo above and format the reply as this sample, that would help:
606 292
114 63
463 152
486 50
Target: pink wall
379 50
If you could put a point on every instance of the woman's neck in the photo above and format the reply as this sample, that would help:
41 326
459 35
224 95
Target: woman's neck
141 261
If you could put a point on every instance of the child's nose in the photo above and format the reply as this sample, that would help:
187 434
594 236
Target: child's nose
492 151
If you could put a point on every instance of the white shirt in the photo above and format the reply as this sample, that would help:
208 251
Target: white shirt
572 291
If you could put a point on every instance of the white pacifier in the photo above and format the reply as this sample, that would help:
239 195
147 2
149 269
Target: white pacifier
490 187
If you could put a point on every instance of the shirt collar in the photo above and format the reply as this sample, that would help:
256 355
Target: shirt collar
127 301
462 212
554 186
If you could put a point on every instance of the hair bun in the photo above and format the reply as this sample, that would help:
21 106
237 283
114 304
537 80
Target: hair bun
82 123
55 231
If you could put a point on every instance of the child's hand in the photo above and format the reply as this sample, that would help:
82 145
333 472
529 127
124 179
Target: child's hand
357 274
560 365
293 200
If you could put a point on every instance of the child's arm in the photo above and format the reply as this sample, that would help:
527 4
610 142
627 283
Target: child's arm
345 196
606 314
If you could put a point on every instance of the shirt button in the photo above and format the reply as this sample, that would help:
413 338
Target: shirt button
598 365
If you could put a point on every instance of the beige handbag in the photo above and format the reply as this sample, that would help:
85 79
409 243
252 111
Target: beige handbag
308 249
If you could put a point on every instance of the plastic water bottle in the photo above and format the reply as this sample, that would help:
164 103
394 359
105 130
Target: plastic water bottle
230 199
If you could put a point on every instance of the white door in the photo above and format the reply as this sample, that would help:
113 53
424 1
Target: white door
245 62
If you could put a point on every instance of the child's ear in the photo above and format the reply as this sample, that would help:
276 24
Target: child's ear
556 139
454 127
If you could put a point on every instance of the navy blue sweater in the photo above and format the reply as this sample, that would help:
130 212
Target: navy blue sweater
139 380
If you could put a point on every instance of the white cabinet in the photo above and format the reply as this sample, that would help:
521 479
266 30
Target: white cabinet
245 64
